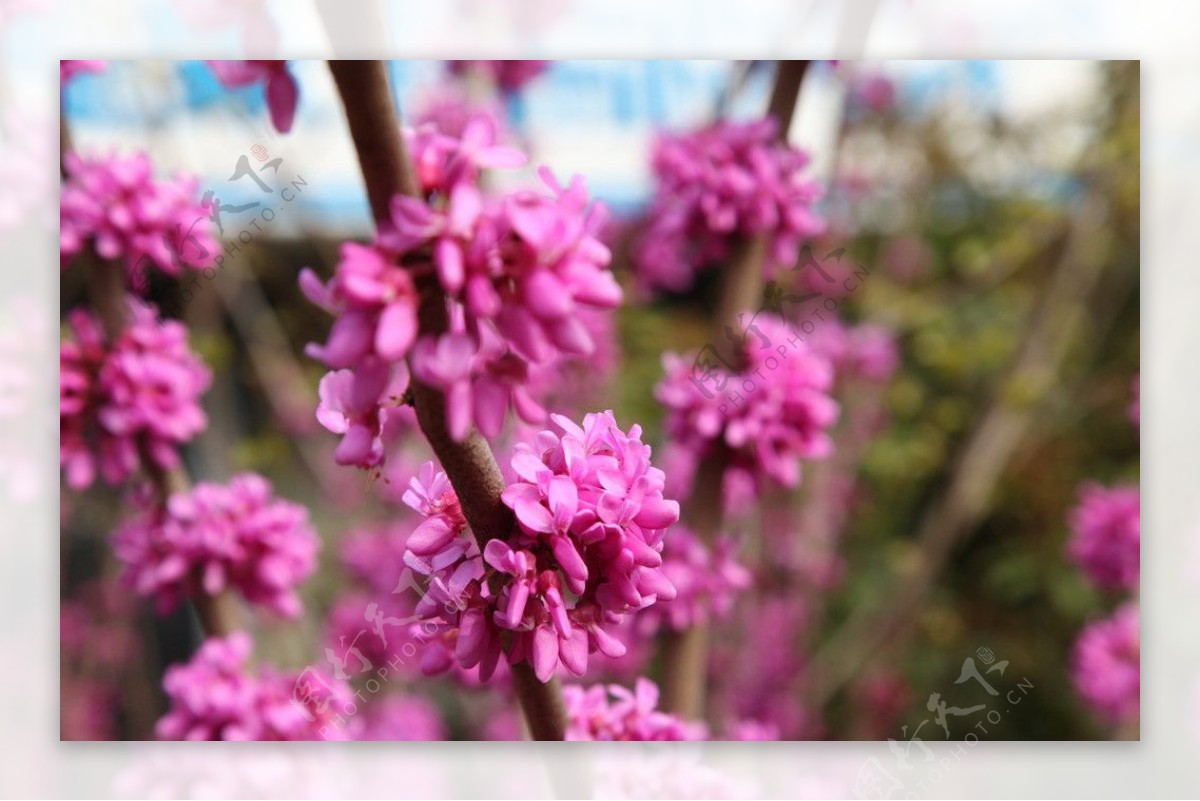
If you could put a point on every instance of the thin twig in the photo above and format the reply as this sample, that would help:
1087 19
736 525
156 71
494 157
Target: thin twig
470 465
685 653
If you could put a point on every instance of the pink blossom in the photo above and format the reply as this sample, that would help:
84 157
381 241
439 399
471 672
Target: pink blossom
114 205
591 518
518 272
215 537
136 399
448 109
768 416
612 712
404 718
1106 665
365 406
706 580
214 697
1106 536
69 69
282 92
508 75
716 185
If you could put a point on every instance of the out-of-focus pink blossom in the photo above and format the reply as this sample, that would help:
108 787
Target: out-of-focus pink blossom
1106 665
136 399
403 718
591 518
508 75
282 92
1106 538
718 185
114 205
214 697
706 580
215 537
69 69
612 712
769 415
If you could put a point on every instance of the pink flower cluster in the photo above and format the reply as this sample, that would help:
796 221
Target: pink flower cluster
138 398
867 351
706 580
1106 665
516 272
282 93
770 414
1106 537
114 204
587 550
509 75
217 536
612 712
213 697
725 181
69 69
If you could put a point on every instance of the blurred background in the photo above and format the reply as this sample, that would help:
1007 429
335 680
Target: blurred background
993 211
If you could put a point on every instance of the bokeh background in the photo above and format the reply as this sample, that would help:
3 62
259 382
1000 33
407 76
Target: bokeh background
899 29
992 211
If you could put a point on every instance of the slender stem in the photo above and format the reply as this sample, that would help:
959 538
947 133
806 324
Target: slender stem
106 295
685 653
470 465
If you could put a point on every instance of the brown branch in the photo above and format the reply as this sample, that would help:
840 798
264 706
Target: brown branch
685 653
470 465
107 296
1006 422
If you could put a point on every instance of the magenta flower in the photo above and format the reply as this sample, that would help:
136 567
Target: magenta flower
215 537
706 580
1106 665
508 75
587 551
281 90
69 69
404 718
136 399
718 184
519 272
114 204
770 415
1106 538
364 406
213 697
612 712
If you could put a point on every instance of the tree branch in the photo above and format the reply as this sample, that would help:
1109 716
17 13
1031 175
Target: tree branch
470 465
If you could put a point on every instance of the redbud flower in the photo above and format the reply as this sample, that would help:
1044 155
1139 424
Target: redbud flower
517 273
612 712
723 182
706 580
217 536
587 550
136 398
213 697
1106 537
281 90
404 718
69 69
772 413
508 75
1106 665
114 204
